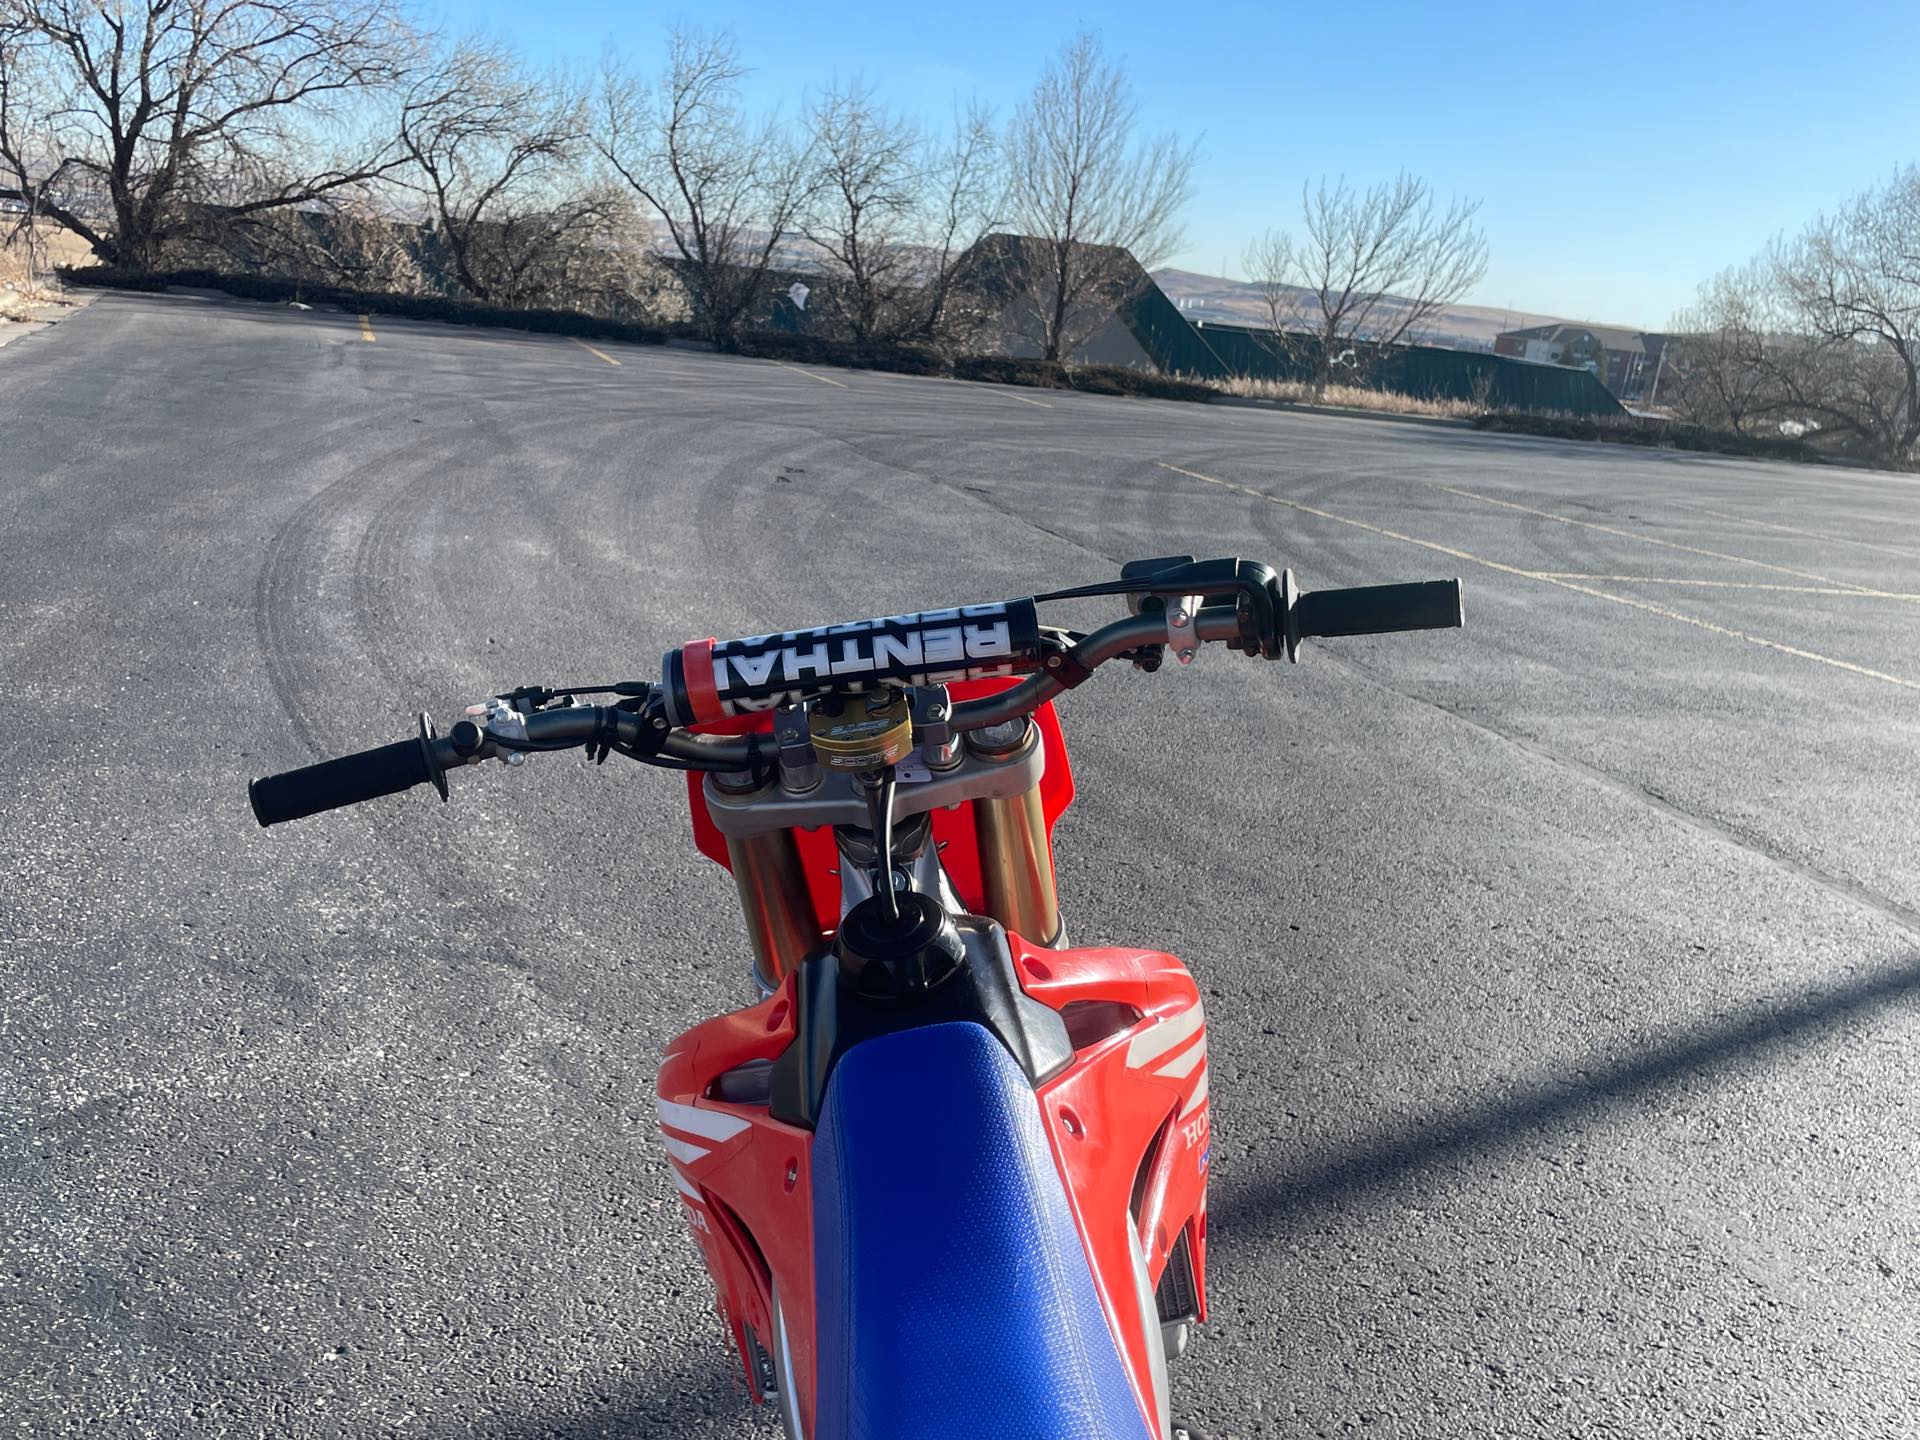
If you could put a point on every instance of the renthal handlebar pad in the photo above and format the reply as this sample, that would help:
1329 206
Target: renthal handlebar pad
708 680
1378 609
345 781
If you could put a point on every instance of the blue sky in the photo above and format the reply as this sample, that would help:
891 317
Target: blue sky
1622 152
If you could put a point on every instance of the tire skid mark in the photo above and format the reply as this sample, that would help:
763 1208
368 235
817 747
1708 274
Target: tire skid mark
741 495
390 562
295 600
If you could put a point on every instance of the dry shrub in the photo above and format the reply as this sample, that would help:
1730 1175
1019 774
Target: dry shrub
1354 397
26 276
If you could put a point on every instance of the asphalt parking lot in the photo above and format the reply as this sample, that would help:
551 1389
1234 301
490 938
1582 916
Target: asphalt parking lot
1563 972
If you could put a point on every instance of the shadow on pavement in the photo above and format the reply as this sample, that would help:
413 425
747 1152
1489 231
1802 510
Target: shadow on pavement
706 1398
1258 1206
709 1398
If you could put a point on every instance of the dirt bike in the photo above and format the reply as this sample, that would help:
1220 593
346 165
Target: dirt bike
948 1174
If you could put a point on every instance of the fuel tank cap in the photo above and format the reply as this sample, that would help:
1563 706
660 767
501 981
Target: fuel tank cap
909 953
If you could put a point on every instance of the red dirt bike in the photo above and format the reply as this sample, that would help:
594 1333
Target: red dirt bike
949 1174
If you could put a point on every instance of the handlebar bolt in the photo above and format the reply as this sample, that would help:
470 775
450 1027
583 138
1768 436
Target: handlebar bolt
1006 738
932 714
799 765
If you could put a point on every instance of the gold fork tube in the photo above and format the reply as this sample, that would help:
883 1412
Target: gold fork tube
1016 865
773 890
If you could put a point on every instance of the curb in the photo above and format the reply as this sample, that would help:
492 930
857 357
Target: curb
45 317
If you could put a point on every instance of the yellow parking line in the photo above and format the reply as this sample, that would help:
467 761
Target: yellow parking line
366 328
823 379
1546 579
591 351
1650 539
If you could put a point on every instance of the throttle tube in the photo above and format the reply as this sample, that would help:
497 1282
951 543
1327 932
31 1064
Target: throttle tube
1379 609
346 781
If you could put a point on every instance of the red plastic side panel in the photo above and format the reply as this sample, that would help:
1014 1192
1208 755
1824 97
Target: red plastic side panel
951 828
751 1206
1132 1107
1141 1089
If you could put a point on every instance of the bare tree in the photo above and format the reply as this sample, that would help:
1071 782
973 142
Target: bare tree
966 187
862 208
176 103
1819 335
726 190
1852 281
352 238
1080 184
1726 350
28 106
1369 270
497 154
893 209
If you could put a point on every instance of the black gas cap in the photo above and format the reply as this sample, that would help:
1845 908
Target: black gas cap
884 955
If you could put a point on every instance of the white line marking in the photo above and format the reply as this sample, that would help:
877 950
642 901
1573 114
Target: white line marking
1851 592
1186 1062
708 1124
683 1152
1151 1044
1545 579
1636 536
1905 554
1044 405
823 379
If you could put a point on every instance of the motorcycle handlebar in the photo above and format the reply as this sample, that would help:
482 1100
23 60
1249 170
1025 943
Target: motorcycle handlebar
1378 609
344 781
1292 617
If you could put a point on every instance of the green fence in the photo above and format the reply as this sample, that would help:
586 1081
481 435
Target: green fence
1173 341
1501 381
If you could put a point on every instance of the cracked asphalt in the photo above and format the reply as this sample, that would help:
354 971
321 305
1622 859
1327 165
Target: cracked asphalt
1563 972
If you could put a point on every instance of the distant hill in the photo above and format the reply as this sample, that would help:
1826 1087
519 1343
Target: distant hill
1210 299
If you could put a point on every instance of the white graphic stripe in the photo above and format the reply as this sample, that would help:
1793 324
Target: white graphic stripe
683 1152
1197 1099
1184 1064
708 1124
1149 1046
685 1186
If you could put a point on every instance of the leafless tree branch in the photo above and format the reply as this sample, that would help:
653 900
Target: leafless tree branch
1080 183
166 106
497 153
1368 270
1821 334
726 190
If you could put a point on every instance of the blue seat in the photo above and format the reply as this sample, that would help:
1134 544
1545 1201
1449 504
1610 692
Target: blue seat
954 1295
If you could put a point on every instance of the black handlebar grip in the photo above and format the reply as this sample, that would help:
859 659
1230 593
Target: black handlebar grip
334 783
1378 609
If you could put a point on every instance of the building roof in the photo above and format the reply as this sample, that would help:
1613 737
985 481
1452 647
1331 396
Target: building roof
1609 337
